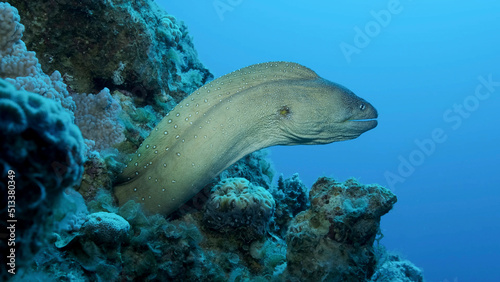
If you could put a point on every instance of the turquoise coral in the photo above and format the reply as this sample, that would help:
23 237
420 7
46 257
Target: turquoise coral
291 197
43 133
44 150
105 228
393 268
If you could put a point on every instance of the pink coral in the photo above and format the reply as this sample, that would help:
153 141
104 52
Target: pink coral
97 116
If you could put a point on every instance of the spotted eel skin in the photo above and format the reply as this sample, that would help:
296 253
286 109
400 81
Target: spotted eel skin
275 103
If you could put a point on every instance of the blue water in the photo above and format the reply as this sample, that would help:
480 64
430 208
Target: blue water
425 66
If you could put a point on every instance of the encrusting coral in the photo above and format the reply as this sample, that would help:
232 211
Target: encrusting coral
393 268
105 228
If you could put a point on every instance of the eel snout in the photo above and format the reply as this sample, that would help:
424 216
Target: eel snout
363 118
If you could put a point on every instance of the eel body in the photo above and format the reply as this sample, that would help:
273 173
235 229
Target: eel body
276 103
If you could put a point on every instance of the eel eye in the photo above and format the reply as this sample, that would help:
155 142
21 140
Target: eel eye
362 107
284 112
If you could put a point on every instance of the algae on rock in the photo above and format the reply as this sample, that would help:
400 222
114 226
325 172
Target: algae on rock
117 44
333 239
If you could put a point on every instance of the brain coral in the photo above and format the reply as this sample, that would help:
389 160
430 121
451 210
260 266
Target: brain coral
237 205
42 152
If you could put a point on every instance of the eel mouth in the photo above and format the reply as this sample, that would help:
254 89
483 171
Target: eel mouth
363 124
364 120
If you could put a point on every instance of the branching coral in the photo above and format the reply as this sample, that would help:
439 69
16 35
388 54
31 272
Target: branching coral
255 167
291 197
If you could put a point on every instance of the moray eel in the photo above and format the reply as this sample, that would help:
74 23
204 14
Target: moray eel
276 103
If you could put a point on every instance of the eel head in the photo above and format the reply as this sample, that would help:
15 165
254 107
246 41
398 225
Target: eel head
323 112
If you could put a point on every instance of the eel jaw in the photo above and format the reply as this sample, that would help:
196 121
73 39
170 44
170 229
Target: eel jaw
362 124
363 121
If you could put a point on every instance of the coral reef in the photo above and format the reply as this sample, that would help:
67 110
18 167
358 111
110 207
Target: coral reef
21 67
42 153
170 249
145 50
127 245
254 167
271 254
97 116
235 230
291 198
155 248
333 239
105 228
392 268
236 206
